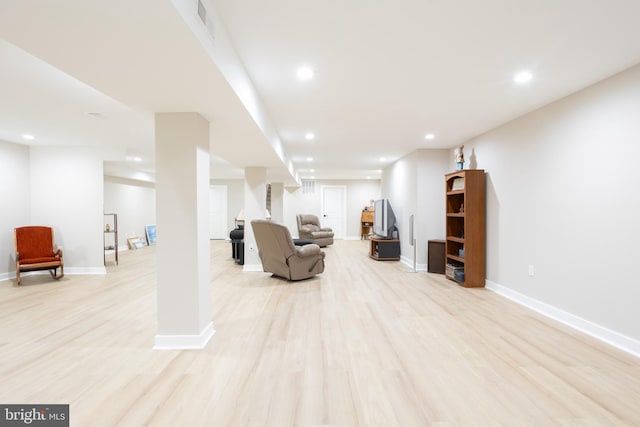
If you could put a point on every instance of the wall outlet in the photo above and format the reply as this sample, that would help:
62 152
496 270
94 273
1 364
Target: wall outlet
531 270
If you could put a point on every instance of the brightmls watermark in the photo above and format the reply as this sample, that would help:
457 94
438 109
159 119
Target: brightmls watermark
34 415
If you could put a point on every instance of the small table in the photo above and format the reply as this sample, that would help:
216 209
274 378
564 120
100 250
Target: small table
384 249
436 259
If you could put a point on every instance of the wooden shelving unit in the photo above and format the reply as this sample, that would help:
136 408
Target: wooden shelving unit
110 236
466 224
366 222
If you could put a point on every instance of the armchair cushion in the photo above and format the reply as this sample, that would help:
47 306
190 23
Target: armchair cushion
308 250
35 251
34 242
310 228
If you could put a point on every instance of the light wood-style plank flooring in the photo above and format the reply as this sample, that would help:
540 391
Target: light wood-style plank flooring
366 343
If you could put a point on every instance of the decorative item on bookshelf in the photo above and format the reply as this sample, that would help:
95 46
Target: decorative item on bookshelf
451 270
458 184
460 157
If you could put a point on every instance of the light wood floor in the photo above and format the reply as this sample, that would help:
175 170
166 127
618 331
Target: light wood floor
364 344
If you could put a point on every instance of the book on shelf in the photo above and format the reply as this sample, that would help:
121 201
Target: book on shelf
453 270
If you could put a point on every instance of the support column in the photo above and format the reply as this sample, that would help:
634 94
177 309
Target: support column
182 215
255 199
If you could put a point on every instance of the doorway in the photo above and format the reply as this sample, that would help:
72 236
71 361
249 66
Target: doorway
334 200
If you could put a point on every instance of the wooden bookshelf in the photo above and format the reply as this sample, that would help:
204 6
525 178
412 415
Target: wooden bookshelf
465 227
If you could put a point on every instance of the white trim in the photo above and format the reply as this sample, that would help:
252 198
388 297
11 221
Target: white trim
185 342
72 271
409 263
599 332
252 268
84 270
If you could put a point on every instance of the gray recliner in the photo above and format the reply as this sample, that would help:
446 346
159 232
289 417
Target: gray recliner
309 228
281 257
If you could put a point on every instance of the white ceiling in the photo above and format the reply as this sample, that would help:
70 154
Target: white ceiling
386 73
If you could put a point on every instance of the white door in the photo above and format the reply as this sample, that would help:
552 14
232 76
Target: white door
218 212
333 209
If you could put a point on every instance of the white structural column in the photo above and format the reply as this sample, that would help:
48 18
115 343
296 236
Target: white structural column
182 215
255 201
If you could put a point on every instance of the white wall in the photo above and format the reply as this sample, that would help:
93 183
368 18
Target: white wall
16 201
414 186
562 196
135 204
235 198
66 193
359 194
399 186
430 224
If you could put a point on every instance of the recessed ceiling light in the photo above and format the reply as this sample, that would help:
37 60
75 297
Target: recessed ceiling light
383 159
309 136
29 137
312 170
429 136
304 73
367 177
523 77
309 159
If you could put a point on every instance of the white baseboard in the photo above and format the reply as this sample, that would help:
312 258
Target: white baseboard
185 342
252 267
409 262
67 271
599 332
85 270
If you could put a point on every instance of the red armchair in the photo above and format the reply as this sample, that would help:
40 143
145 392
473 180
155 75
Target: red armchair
35 251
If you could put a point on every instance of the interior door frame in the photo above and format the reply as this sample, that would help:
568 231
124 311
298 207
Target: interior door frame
344 207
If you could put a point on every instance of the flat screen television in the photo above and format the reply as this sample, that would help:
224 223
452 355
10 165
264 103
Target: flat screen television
384 220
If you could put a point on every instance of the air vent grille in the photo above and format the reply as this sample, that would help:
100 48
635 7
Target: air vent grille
308 186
